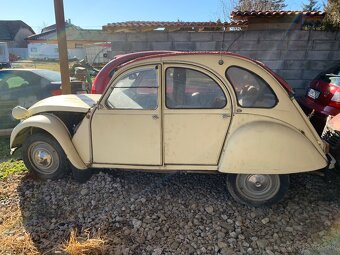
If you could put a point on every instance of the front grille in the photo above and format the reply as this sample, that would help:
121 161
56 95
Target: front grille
331 136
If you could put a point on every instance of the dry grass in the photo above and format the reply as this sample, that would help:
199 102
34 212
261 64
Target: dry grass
17 244
49 65
13 238
84 246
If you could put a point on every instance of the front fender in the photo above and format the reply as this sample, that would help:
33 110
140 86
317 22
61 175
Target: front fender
267 147
55 127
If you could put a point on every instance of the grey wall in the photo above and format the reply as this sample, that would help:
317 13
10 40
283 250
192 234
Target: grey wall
298 56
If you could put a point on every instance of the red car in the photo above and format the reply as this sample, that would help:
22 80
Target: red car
104 76
323 96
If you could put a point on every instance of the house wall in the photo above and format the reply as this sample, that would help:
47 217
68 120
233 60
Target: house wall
20 52
50 51
70 43
298 56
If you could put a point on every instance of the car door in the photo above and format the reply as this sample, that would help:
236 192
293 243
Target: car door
196 116
126 129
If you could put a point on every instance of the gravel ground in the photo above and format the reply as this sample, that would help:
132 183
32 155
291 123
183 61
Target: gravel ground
147 213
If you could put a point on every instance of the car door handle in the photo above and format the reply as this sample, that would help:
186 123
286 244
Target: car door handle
155 117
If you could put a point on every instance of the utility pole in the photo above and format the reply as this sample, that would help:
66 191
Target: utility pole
62 46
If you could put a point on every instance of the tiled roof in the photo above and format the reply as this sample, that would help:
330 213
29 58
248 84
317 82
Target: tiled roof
151 25
241 15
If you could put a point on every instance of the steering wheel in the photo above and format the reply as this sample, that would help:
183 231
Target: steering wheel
249 95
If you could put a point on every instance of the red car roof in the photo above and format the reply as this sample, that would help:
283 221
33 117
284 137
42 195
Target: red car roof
283 83
103 76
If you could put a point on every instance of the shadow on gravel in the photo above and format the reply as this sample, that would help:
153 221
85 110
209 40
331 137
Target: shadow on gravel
148 213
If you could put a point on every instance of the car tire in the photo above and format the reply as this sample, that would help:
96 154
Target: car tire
257 190
44 157
82 175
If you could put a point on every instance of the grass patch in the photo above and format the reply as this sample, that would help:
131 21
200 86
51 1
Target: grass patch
9 164
4 149
49 65
39 64
12 167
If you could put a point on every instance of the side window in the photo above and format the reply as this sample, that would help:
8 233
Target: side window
251 90
12 81
16 82
190 89
137 89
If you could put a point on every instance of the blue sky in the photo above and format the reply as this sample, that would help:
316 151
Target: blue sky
93 14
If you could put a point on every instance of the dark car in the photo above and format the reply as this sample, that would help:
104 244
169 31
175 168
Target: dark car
25 87
323 96
105 74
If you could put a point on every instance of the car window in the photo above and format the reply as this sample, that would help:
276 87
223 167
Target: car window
251 90
12 81
135 90
52 76
191 89
333 77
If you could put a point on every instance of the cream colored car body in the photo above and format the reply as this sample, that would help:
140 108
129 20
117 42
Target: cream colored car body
233 139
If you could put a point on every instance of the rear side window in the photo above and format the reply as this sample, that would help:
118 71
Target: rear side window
251 90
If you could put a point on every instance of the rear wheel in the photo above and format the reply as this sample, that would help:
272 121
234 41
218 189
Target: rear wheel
257 189
44 157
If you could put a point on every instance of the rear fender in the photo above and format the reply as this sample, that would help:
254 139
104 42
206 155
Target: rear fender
266 147
52 125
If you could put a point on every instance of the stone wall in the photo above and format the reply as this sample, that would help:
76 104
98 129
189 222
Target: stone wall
298 56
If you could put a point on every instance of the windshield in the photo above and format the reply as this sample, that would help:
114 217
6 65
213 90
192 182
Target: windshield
52 76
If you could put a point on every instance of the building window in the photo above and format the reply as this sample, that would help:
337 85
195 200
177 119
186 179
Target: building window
78 46
34 50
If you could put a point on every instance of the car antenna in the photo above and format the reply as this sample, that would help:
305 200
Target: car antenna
221 62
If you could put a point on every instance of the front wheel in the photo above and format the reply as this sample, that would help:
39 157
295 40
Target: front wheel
257 189
44 157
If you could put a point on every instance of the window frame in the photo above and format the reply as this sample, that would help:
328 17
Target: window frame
115 81
253 73
193 68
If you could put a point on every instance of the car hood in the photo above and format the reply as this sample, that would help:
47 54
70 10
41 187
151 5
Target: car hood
63 103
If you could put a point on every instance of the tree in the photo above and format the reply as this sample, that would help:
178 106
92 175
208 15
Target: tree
332 19
260 5
311 6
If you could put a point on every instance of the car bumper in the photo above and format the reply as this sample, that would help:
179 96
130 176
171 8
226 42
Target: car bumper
323 110
331 161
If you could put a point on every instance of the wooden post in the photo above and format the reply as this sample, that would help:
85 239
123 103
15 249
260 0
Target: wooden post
62 46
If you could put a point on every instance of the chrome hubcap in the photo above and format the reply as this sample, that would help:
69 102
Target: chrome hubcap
43 157
258 186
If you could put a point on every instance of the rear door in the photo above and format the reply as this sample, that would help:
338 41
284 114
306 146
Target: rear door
196 116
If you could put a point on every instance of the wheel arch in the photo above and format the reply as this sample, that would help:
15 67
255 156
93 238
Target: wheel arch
52 125
267 147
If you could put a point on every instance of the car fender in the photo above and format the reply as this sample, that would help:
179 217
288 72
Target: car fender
55 127
267 147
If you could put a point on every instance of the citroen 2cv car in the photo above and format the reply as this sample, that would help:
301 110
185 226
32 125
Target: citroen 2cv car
197 112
